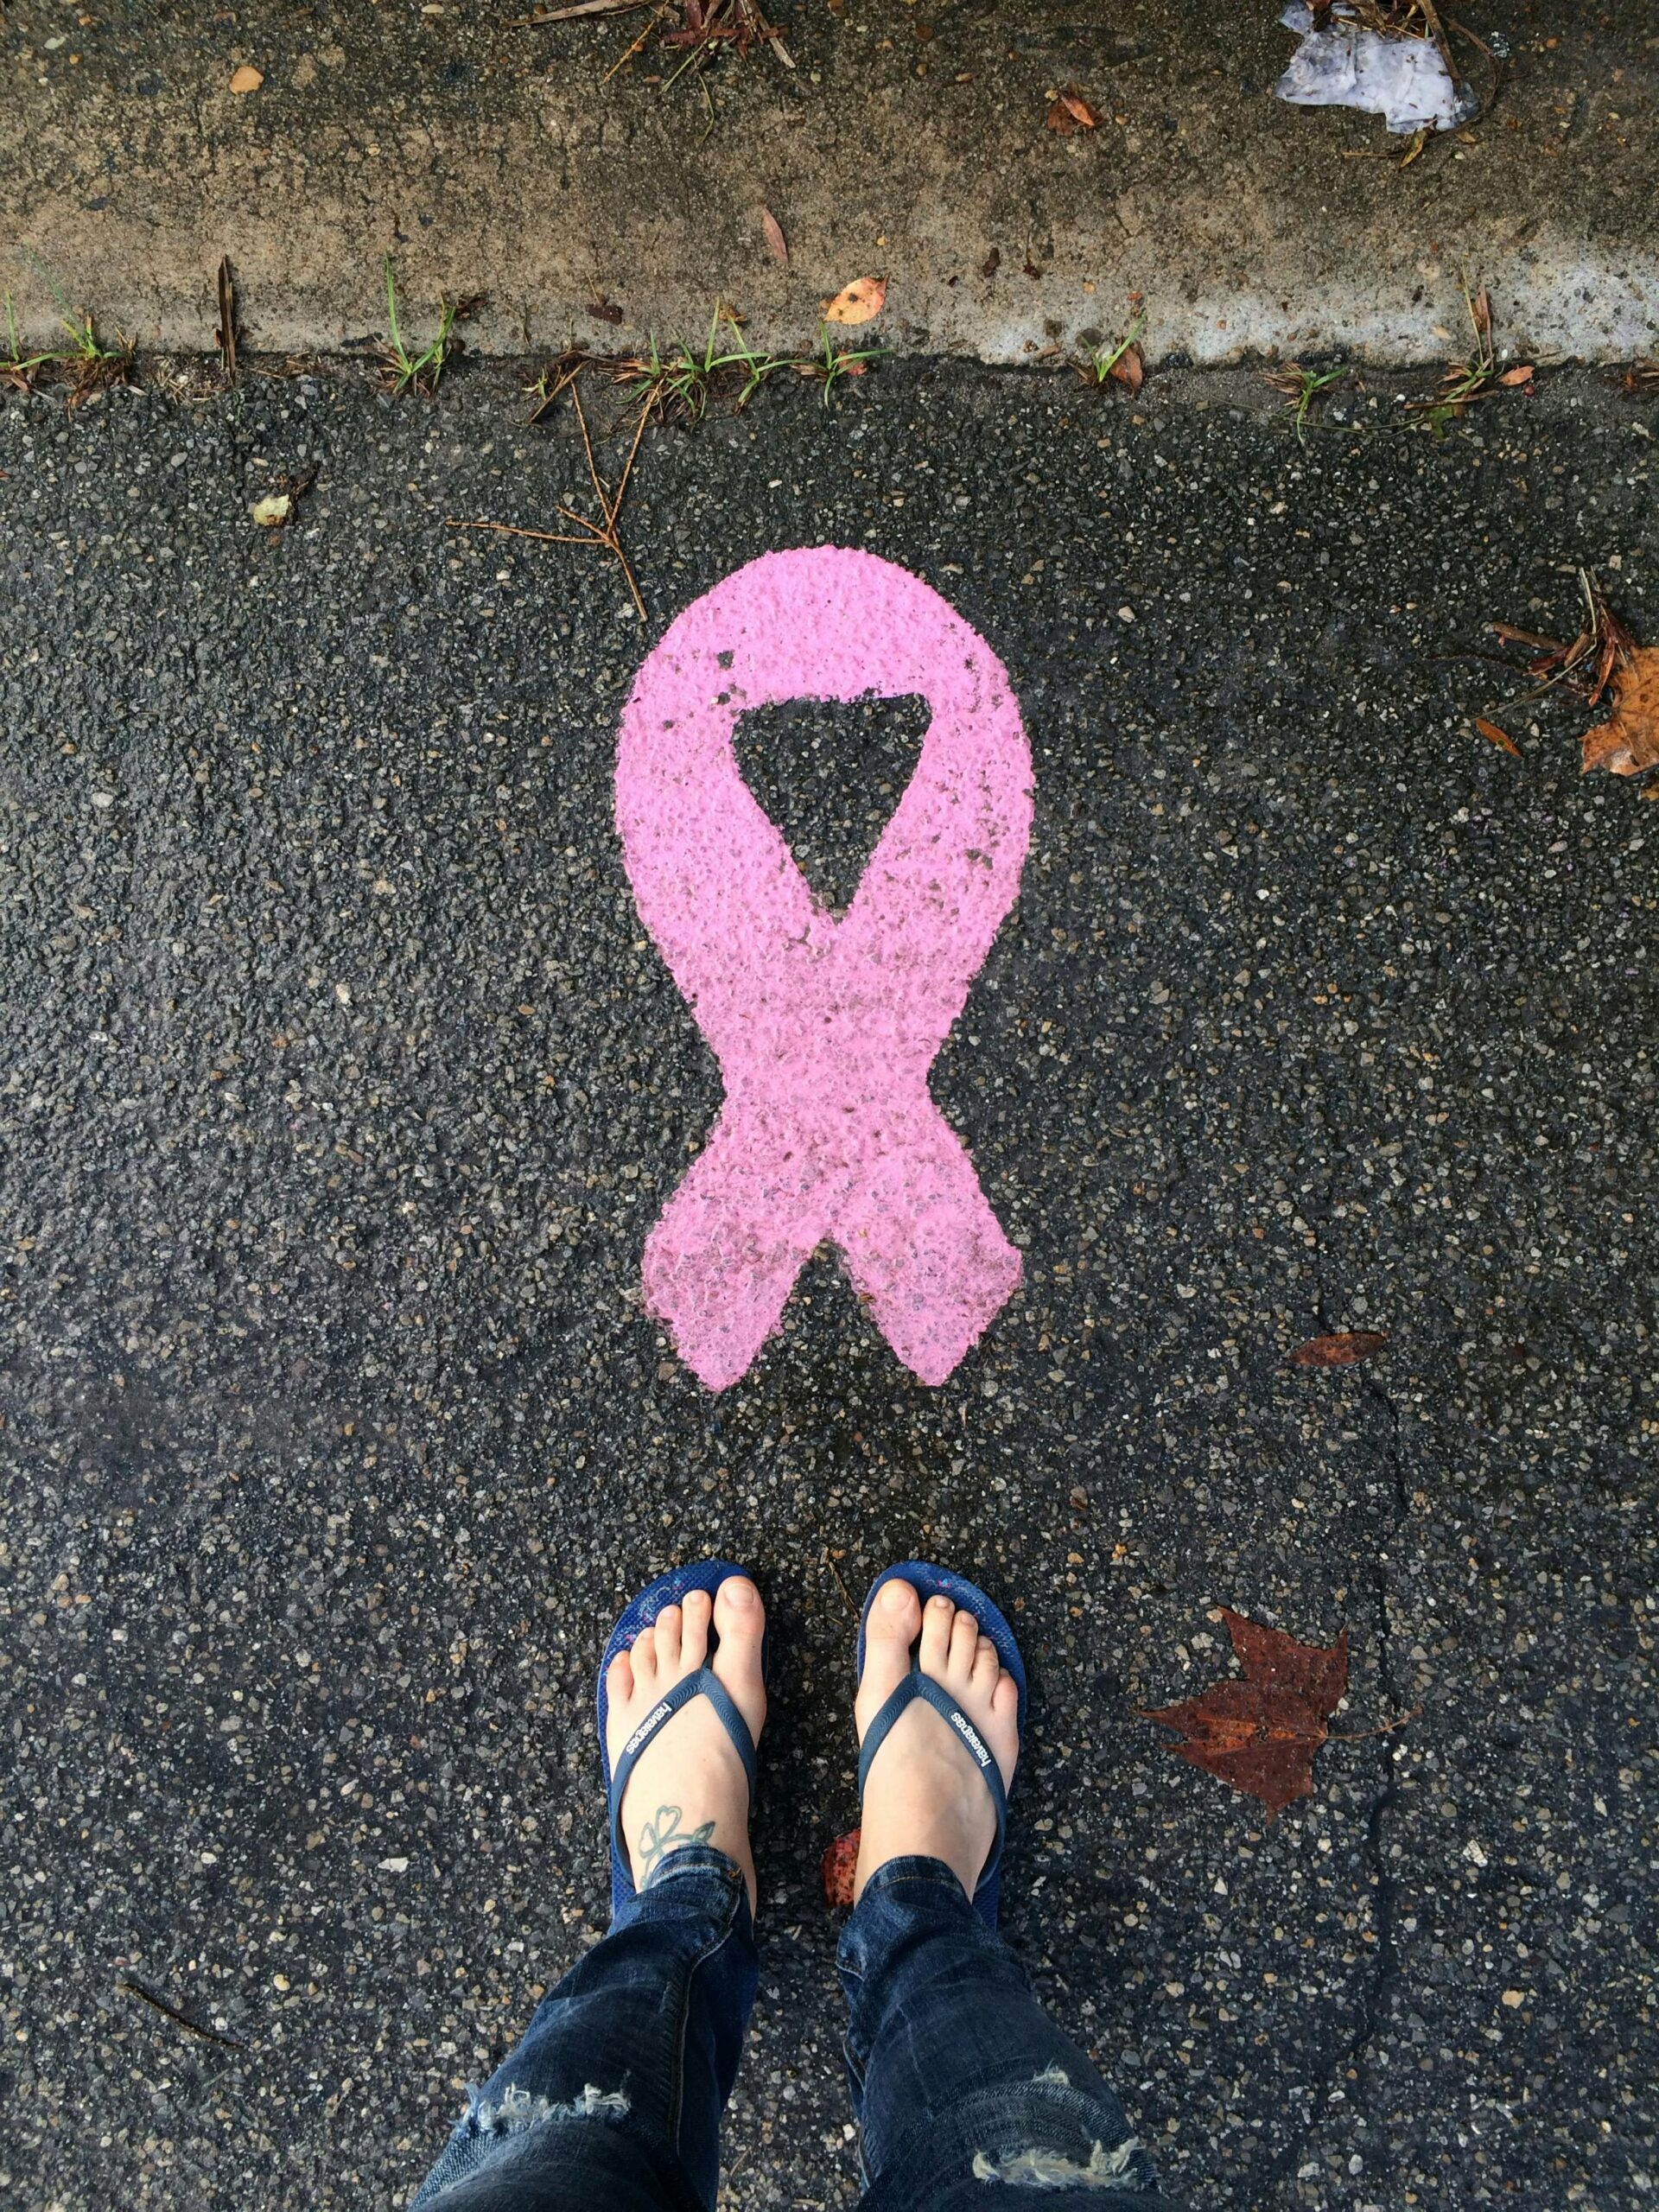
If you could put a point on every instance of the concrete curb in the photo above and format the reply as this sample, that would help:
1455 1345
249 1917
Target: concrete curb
492 159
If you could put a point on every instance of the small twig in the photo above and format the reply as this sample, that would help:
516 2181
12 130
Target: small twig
1511 636
566 15
695 59
655 17
627 467
1431 15
829 1561
180 2019
603 533
517 529
701 80
1388 1727
225 334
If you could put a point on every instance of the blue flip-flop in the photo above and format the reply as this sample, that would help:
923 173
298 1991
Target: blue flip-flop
938 1582
669 1589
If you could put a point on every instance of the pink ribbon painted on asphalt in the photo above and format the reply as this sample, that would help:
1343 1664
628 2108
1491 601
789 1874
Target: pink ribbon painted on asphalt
825 1028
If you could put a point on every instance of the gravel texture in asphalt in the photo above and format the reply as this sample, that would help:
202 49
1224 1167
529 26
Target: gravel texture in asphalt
341 1085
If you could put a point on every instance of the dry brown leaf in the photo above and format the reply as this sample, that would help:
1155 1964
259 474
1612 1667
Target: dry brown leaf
1498 737
1340 1351
775 239
247 78
1259 1735
1130 369
1521 375
1629 741
1072 112
859 301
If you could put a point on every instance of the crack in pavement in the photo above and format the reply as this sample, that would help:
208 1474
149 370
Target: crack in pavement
1376 1993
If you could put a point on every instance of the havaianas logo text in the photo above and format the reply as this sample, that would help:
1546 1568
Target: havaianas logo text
973 1742
647 1728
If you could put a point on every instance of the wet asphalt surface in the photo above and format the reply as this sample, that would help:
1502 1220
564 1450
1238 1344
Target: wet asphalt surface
341 1086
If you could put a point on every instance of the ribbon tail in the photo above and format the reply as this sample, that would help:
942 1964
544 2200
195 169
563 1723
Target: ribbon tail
724 1253
922 1245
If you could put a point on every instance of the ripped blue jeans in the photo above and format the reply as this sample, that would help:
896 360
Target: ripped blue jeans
967 2098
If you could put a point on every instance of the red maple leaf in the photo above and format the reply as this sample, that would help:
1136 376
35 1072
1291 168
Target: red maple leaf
1260 1735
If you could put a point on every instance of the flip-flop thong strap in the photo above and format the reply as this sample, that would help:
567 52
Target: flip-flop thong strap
704 1683
918 1685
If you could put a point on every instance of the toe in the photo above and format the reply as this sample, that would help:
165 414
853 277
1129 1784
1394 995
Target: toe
964 1641
642 1659
986 1668
694 1628
740 1622
740 1617
668 1629
1003 1733
619 1680
895 1617
890 1629
938 1615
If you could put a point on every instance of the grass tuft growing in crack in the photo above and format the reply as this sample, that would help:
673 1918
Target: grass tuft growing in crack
832 361
676 385
422 371
1118 363
680 383
86 364
1302 387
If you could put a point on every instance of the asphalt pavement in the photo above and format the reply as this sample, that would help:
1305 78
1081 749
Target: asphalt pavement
342 1082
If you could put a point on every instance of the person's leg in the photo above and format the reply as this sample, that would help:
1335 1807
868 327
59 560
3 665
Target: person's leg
611 2101
966 2092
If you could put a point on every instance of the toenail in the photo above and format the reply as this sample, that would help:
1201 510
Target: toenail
740 1593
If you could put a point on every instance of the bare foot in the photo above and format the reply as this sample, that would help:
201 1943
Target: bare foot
926 1795
690 1786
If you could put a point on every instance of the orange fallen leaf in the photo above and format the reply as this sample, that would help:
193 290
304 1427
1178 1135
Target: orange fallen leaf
775 239
1519 375
247 78
1498 737
859 301
1629 741
1072 112
1341 1350
835 1871
1130 369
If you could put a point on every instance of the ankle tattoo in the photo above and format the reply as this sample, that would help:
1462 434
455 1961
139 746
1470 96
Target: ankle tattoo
663 1834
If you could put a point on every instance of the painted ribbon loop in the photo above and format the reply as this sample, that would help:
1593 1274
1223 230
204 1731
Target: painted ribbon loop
825 1027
